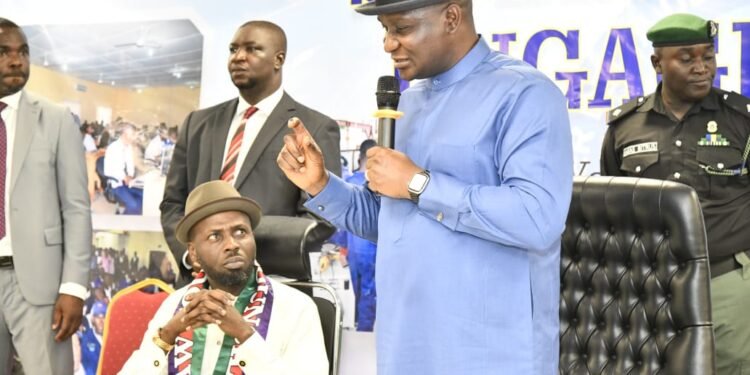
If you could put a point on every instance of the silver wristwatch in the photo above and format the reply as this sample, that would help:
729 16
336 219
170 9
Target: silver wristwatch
417 184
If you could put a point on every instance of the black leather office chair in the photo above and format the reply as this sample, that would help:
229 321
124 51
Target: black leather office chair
284 245
635 280
107 190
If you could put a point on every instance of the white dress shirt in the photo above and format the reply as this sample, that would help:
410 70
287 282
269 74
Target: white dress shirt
154 149
88 143
119 162
293 346
10 117
252 127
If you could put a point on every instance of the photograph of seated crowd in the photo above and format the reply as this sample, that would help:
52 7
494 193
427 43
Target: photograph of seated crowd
112 270
117 154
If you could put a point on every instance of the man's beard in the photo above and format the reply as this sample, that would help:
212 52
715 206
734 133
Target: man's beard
247 85
228 278
10 90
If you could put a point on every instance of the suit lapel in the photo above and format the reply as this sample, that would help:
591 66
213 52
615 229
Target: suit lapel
219 132
275 123
28 120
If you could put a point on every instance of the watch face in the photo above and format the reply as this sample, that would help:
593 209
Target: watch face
417 183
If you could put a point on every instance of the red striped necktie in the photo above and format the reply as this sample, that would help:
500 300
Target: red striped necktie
230 161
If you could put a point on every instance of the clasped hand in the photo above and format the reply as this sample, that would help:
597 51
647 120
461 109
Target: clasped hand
206 307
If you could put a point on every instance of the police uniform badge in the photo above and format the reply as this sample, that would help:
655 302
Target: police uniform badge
713 138
712 126
713 29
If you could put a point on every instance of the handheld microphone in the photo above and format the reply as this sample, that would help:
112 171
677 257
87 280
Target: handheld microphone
387 95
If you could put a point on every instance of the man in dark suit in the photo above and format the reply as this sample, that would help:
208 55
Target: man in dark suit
45 219
238 140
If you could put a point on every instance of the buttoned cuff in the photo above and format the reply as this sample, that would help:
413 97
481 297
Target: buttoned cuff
329 201
436 200
157 359
73 289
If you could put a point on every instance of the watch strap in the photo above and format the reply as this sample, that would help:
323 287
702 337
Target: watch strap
414 195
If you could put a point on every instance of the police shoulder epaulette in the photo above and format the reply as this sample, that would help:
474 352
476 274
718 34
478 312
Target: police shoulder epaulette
736 101
625 109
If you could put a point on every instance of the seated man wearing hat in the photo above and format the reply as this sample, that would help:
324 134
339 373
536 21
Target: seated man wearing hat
696 134
232 319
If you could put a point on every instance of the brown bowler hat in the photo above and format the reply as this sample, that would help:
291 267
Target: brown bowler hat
394 6
211 198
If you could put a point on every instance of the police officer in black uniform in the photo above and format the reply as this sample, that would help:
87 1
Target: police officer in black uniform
689 132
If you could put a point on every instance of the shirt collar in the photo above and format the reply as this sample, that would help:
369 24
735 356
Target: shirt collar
466 65
266 105
12 100
655 103
711 101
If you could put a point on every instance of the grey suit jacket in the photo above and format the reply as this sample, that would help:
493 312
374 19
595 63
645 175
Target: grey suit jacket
198 157
49 209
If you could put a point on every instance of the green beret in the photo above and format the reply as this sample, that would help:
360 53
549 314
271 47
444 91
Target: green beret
681 29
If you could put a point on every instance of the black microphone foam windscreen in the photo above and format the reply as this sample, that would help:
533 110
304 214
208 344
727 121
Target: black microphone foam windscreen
388 92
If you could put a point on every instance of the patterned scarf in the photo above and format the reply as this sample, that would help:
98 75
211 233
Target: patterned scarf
255 303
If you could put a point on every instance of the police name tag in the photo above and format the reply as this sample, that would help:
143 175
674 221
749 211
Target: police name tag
640 149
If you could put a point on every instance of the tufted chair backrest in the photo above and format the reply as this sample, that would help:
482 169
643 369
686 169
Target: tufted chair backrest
284 245
635 280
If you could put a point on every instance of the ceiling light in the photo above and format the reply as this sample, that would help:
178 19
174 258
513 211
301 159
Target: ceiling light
112 83
65 67
177 71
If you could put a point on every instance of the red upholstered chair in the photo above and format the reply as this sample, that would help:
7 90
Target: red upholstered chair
126 322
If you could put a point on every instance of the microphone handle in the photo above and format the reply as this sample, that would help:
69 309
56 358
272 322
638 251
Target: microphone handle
386 132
